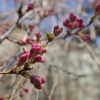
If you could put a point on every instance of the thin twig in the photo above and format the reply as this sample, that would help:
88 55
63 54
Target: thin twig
68 72
15 89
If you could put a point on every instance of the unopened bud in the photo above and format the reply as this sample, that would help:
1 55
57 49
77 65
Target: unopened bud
50 36
2 97
26 90
37 58
72 17
30 6
80 20
23 42
21 94
86 37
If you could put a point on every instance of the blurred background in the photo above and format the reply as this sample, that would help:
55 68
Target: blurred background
72 67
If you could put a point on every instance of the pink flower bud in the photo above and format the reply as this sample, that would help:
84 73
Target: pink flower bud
37 58
76 25
26 90
42 61
22 59
80 20
35 50
33 40
44 50
82 25
43 80
97 9
23 42
2 97
30 6
21 94
72 17
38 87
86 37
66 22
28 39
56 27
37 81
69 25
38 34
31 27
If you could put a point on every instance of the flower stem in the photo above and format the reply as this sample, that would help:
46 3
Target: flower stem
8 72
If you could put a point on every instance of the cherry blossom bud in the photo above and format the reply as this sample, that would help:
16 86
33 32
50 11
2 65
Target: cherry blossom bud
22 59
38 87
66 22
80 20
44 50
33 40
26 90
37 58
50 36
86 37
76 25
97 9
21 94
38 34
82 25
42 61
28 39
31 27
72 17
37 81
43 80
30 6
56 27
23 42
2 97
35 50
69 25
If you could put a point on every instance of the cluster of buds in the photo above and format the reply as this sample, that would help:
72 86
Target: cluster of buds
51 36
31 40
37 81
57 30
34 55
97 10
26 90
27 41
73 22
